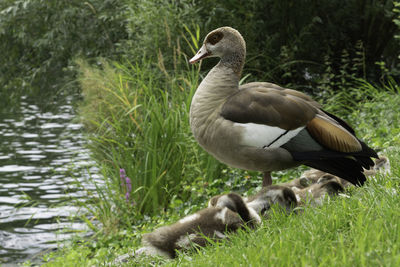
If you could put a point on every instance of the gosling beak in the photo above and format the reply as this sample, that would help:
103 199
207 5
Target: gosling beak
202 53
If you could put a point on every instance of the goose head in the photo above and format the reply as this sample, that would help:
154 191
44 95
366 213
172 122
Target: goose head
225 43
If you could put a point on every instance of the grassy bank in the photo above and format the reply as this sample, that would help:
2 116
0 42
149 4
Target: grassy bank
137 116
362 230
138 119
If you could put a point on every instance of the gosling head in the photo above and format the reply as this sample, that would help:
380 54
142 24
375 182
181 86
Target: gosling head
275 194
235 203
225 42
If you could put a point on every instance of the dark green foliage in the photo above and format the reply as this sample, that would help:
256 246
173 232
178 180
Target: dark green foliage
311 45
156 26
290 41
39 39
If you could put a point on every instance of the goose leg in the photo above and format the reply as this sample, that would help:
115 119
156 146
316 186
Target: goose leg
267 180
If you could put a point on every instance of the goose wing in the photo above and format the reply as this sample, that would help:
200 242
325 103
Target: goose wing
268 104
273 115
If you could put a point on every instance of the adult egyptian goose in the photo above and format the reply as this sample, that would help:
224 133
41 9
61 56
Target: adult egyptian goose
264 127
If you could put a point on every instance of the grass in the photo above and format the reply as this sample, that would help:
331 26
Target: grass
362 230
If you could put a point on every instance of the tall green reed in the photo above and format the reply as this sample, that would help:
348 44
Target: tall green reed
137 116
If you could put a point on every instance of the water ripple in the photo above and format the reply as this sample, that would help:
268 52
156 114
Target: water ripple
15 168
38 150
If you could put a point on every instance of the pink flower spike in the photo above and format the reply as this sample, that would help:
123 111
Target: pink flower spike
128 184
122 173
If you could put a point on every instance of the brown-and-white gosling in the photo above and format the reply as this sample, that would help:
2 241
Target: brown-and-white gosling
229 214
316 193
264 199
264 127
382 166
270 195
237 204
311 177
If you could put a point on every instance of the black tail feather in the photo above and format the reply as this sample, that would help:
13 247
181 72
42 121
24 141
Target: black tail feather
346 168
367 151
365 162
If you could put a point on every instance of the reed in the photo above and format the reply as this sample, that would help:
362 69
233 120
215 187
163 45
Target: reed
137 116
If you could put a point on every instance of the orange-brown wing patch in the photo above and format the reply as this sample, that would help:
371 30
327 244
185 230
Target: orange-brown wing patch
333 136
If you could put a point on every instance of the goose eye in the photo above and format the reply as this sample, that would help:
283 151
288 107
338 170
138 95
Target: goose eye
215 38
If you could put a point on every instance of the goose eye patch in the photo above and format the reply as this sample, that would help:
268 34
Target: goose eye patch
215 37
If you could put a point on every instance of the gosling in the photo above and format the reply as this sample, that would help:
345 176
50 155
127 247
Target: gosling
228 214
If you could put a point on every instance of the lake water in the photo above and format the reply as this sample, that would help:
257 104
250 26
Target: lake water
42 155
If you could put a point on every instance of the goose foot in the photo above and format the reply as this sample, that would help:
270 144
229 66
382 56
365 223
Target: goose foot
267 180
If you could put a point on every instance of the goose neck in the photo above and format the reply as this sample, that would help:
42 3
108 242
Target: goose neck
234 61
220 83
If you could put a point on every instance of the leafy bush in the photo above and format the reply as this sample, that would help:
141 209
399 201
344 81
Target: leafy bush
297 43
39 40
288 41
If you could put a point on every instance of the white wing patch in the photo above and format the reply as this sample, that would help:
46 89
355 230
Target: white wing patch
259 135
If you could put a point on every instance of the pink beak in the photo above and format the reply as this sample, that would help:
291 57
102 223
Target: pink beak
202 53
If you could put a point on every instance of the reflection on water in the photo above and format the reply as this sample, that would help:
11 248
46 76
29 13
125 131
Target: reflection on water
41 155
